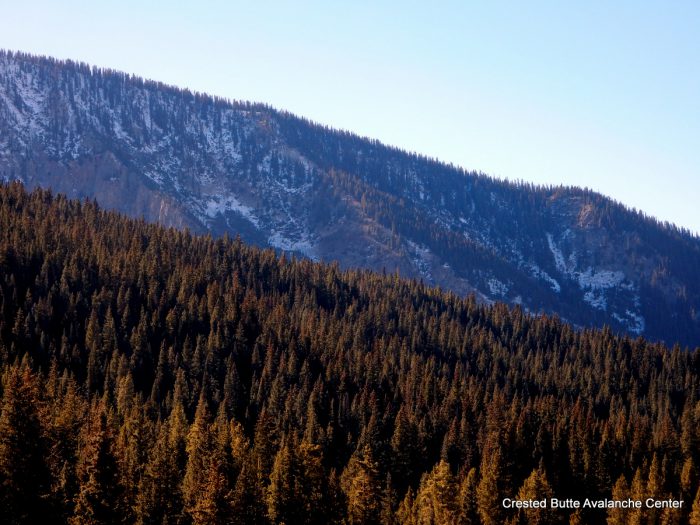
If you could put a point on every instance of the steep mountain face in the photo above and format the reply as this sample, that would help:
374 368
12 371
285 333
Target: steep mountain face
190 160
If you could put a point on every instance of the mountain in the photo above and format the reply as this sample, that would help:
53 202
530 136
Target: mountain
194 161
152 376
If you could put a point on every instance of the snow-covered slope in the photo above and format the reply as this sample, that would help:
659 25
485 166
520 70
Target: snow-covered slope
190 160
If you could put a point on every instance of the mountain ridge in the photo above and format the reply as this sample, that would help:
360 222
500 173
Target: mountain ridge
187 159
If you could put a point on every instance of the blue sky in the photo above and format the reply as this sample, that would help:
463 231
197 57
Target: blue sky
599 94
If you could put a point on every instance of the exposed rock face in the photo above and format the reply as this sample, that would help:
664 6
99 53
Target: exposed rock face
189 160
111 183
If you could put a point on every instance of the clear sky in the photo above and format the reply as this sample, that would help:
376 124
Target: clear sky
601 94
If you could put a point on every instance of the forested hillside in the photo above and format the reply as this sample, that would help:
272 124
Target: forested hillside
195 161
153 376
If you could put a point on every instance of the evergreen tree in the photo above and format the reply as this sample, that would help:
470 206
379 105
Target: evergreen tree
213 506
654 489
436 501
406 513
488 491
689 477
694 518
159 497
388 503
248 498
637 492
576 518
536 487
24 474
99 497
620 492
314 493
198 452
468 509
362 487
282 504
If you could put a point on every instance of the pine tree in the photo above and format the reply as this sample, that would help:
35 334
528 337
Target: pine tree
240 447
248 498
99 496
468 510
362 487
620 492
213 505
64 419
688 478
387 515
576 518
536 487
436 501
404 444
670 516
637 492
313 489
654 489
198 455
282 504
694 518
406 513
93 345
488 492
24 473
159 497
133 442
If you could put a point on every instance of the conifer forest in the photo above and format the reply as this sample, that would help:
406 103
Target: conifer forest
153 376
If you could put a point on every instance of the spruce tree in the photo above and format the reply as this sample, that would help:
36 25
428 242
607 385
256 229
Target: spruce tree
99 496
694 518
488 492
248 498
536 487
620 492
282 498
362 487
467 502
198 457
436 501
24 474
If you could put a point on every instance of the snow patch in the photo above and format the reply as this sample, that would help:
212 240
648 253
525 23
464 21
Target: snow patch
154 176
539 273
218 205
590 278
596 299
594 283
559 260
601 279
497 287
420 257
303 245
634 322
